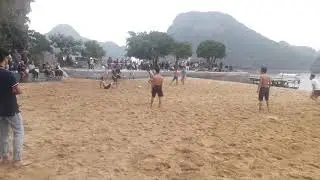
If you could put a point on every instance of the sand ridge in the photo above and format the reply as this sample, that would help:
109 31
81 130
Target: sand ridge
206 130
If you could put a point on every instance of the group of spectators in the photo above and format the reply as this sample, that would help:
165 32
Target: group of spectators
24 67
169 65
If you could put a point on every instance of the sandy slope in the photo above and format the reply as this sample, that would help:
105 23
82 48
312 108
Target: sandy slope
207 130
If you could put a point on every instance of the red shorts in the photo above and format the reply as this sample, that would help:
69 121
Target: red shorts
264 93
316 93
157 90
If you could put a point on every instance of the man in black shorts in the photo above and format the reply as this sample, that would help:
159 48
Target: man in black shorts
156 84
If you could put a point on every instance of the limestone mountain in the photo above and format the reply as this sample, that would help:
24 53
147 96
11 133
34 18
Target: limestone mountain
245 47
66 30
111 48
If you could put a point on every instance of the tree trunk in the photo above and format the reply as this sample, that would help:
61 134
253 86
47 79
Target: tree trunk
209 62
177 61
155 63
213 62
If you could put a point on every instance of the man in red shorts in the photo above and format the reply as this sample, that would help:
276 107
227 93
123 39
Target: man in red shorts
156 84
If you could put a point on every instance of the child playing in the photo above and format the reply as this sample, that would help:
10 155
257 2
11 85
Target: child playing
264 87
175 76
156 84
315 87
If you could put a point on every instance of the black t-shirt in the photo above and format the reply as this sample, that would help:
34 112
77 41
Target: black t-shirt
8 100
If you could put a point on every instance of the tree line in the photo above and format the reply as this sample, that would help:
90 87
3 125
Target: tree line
15 36
153 45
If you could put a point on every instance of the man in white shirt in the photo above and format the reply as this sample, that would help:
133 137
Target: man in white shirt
315 87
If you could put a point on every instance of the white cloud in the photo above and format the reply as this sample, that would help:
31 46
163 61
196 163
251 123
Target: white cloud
294 21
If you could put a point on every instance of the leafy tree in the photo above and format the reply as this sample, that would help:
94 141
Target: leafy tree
150 46
37 44
67 45
211 50
182 51
13 36
93 49
13 27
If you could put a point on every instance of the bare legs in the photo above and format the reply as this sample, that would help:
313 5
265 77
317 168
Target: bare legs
260 106
152 99
313 96
174 79
182 81
160 102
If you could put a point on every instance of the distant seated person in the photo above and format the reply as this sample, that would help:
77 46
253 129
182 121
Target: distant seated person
33 70
315 87
104 84
47 70
58 72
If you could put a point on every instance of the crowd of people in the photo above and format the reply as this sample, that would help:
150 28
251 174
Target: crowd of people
24 67
127 63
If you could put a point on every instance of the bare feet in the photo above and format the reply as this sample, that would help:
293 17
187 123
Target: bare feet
5 160
18 164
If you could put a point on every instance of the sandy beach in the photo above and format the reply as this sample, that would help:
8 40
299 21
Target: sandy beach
206 130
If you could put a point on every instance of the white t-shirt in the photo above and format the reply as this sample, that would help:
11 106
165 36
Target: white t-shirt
315 84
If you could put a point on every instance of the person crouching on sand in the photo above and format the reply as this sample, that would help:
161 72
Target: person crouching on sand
264 87
104 84
156 86
315 87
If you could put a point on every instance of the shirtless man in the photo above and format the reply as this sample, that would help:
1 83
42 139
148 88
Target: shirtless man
156 84
264 87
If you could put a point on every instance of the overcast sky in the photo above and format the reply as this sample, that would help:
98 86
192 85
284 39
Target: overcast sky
295 21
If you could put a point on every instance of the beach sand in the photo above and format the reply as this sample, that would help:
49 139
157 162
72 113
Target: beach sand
206 130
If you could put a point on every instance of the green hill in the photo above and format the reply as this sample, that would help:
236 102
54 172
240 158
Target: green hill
112 49
245 47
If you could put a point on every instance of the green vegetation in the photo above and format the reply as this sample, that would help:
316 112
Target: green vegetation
93 49
182 51
211 50
13 23
150 46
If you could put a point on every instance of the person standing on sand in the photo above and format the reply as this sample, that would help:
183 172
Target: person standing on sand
10 114
183 75
156 86
315 87
264 87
